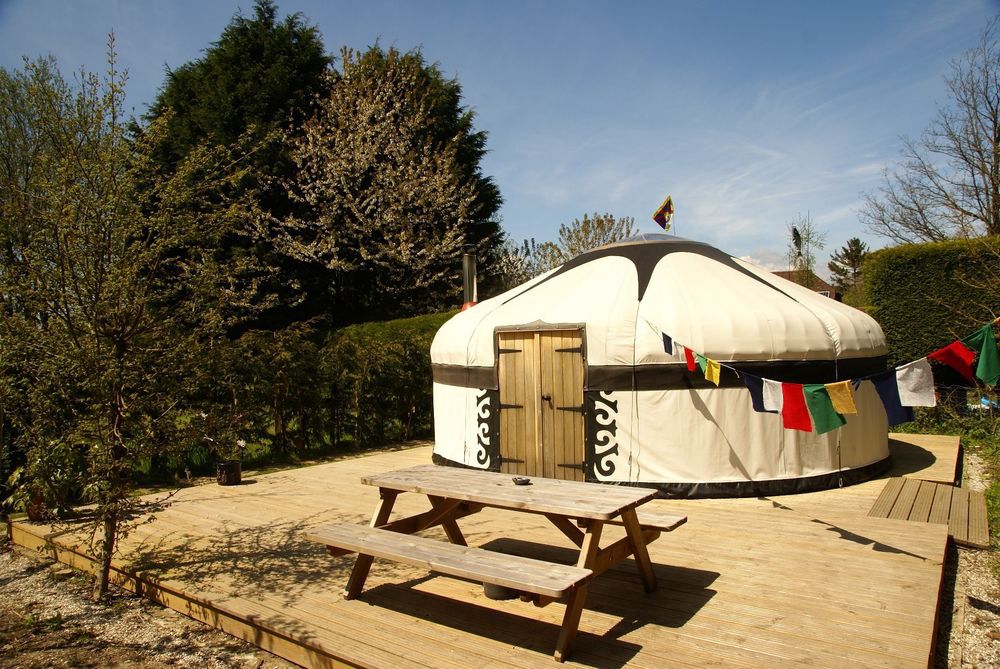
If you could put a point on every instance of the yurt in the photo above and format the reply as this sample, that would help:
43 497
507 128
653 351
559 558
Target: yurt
582 373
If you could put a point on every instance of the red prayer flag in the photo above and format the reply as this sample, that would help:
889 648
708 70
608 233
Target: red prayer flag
794 411
689 356
958 356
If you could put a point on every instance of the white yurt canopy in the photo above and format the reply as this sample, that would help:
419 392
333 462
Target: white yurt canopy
672 428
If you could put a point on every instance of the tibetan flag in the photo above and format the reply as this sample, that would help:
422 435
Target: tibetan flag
825 418
888 392
755 385
772 396
958 356
712 371
689 357
842 396
988 366
665 214
794 411
668 343
702 362
915 382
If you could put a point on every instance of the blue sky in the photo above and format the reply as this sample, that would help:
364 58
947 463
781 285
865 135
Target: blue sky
748 113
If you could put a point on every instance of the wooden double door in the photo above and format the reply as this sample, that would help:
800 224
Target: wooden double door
541 403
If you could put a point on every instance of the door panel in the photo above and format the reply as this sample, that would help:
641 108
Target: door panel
541 397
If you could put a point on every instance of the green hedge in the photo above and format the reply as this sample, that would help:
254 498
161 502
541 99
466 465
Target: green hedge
926 295
379 377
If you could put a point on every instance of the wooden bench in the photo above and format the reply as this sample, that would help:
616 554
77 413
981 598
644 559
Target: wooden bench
653 520
511 571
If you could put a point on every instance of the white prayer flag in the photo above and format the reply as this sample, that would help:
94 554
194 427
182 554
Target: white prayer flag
773 399
916 384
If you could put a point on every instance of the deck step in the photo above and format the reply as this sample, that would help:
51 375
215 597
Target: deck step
962 510
511 571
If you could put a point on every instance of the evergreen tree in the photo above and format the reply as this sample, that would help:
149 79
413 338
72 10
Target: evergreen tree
262 75
845 265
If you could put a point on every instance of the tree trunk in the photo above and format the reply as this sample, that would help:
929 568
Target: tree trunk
109 527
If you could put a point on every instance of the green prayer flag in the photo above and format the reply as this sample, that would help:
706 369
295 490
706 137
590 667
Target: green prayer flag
985 345
702 362
825 418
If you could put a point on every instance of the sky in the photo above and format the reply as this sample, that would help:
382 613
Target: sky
749 114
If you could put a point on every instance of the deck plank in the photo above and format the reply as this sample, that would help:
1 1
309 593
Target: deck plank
979 531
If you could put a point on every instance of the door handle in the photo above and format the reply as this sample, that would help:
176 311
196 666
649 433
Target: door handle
547 398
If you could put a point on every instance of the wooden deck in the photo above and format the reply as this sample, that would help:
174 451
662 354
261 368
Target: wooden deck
795 581
962 510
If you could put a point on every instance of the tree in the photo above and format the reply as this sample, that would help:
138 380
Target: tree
262 75
110 312
845 265
518 263
804 239
948 184
255 84
390 182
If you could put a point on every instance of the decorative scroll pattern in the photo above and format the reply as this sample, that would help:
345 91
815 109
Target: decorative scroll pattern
602 434
488 429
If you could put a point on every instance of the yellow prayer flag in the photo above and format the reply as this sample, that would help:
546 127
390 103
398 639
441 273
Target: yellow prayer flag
712 371
842 396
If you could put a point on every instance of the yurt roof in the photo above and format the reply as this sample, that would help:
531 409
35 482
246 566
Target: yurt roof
628 294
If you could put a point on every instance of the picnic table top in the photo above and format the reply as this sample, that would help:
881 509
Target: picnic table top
572 499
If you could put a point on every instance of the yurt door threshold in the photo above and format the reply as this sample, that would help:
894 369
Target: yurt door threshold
541 403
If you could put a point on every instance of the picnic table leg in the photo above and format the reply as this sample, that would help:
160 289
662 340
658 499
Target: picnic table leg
574 607
639 551
364 562
450 526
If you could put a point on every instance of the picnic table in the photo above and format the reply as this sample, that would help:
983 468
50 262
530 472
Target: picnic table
578 510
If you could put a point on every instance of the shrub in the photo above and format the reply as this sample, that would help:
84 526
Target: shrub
927 295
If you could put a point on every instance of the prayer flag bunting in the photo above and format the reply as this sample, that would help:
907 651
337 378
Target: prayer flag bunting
915 383
712 371
824 417
842 396
794 412
958 356
772 396
988 365
888 392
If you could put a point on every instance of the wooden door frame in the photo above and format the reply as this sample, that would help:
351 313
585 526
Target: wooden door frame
542 327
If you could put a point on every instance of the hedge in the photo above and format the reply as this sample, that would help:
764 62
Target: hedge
927 295
379 377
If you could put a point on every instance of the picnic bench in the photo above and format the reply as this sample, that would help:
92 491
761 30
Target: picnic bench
578 510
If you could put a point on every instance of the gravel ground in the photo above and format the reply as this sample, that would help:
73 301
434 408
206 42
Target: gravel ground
47 619
973 631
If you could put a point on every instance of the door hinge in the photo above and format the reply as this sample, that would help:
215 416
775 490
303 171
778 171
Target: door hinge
579 466
510 406
575 409
505 461
575 349
508 350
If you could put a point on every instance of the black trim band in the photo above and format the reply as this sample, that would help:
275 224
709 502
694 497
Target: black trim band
674 375
770 487
742 488
465 377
